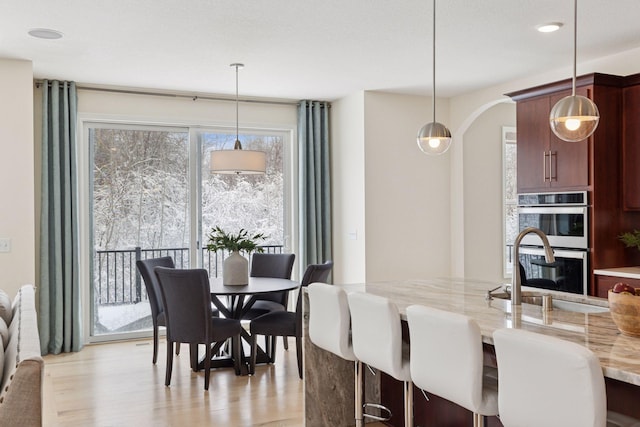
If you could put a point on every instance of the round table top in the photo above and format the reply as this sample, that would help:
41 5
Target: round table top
256 285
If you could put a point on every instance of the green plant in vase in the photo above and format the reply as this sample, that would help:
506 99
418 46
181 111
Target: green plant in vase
235 268
240 242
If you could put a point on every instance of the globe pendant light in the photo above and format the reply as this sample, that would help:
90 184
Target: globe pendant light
574 118
238 161
434 138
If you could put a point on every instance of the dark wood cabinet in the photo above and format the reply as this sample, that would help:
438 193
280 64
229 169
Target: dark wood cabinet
604 283
631 145
546 163
568 161
532 121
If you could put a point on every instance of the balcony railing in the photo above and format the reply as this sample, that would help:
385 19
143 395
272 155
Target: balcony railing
117 281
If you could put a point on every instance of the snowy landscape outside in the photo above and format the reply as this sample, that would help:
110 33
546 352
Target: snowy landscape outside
141 192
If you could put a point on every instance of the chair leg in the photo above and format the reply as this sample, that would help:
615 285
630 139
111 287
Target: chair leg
267 345
167 377
408 404
155 344
177 348
252 358
272 355
193 357
207 365
359 391
298 354
237 350
285 341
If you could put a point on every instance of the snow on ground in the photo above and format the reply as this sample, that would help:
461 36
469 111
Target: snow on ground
116 317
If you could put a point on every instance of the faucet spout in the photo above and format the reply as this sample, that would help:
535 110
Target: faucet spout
516 282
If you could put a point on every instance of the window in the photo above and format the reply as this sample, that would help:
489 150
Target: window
509 167
147 201
253 202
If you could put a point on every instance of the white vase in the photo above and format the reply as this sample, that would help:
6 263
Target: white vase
235 270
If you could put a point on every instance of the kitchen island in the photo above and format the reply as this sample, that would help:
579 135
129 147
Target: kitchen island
619 355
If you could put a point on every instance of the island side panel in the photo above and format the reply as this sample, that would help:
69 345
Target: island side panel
329 384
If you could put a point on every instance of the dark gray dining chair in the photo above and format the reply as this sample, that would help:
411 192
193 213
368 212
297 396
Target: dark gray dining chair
286 323
145 267
278 266
186 296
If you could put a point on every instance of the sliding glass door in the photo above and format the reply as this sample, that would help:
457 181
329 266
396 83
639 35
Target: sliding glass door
148 201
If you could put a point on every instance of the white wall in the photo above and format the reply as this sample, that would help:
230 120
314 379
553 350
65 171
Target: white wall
406 191
348 189
17 182
483 220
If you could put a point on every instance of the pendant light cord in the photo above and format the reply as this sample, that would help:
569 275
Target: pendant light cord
237 145
575 45
433 62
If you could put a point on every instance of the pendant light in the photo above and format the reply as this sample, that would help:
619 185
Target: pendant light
238 161
574 118
434 138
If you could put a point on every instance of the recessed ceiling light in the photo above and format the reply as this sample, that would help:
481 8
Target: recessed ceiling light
550 27
45 33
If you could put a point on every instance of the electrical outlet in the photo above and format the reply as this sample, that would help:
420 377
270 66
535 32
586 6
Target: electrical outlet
5 244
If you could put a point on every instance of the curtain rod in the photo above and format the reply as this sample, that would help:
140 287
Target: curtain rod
175 95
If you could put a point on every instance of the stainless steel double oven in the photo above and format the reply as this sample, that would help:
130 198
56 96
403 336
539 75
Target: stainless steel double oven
564 218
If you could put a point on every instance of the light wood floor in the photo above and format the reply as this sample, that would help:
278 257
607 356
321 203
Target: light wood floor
115 384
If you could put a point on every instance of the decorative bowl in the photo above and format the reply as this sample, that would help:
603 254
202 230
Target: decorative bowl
625 311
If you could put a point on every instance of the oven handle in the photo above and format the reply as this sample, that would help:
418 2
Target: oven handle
553 210
558 253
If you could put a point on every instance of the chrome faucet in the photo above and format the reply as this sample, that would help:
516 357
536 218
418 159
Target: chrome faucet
516 282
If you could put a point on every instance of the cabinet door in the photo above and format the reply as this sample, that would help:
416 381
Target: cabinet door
533 139
631 148
604 283
569 160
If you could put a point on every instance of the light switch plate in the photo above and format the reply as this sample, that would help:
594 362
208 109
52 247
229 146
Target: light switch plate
5 244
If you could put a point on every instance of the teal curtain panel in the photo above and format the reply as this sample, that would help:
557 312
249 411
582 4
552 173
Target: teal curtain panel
314 182
60 316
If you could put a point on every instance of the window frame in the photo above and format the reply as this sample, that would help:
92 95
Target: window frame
85 193
507 267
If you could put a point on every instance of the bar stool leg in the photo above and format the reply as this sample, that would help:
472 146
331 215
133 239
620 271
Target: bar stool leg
408 404
359 392
478 420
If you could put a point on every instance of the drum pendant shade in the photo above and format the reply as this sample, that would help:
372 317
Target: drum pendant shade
238 161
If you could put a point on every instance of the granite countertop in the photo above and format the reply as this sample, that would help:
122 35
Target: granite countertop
619 354
626 272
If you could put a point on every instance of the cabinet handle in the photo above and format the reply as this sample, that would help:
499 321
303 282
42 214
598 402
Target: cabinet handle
544 165
553 175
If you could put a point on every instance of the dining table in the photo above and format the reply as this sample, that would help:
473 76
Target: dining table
233 302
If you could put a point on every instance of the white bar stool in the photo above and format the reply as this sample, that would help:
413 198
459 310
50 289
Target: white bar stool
547 381
377 341
447 360
329 329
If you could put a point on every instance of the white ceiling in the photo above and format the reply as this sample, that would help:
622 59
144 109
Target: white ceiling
308 49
